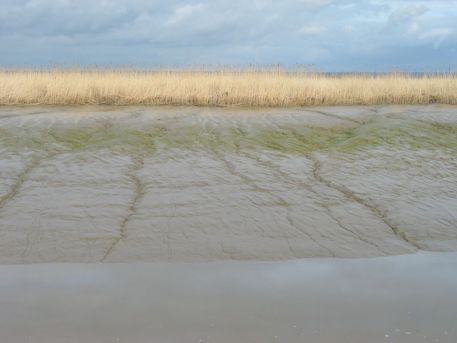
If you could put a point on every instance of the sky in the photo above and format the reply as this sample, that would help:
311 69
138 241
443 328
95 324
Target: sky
327 35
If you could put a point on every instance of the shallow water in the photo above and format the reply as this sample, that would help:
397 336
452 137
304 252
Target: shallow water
410 298
115 184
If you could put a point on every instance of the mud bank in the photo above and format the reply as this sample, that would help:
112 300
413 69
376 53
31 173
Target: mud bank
403 299
122 184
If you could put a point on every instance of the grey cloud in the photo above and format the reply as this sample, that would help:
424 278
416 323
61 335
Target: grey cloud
333 35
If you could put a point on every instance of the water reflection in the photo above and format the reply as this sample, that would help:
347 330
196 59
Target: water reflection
411 298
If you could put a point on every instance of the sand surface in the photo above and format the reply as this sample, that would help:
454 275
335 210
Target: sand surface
403 299
123 184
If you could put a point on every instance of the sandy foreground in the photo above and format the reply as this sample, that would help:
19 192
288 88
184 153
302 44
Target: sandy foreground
125 184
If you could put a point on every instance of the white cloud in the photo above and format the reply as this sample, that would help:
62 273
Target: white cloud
437 35
408 12
413 28
312 30
184 13
317 3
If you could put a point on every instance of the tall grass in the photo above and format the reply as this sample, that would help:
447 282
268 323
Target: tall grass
269 88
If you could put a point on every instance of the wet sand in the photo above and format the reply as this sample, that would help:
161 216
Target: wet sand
128 184
403 299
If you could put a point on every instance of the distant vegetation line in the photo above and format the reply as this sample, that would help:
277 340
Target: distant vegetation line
255 87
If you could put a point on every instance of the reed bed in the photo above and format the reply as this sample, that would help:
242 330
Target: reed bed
262 88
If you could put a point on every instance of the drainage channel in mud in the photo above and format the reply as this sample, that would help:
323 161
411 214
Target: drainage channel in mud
177 184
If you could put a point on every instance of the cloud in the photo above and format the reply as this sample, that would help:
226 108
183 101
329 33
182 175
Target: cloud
408 12
183 13
437 35
312 30
413 28
317 3
334 35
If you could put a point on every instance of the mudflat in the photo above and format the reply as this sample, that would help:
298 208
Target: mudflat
125 184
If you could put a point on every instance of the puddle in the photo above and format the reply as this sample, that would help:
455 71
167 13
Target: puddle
409 298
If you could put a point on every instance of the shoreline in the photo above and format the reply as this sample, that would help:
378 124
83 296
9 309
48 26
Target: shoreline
233 263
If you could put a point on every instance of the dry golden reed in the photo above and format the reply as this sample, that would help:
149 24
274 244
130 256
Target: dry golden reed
263 88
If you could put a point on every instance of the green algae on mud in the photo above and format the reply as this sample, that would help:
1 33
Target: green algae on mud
297 139
215 184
